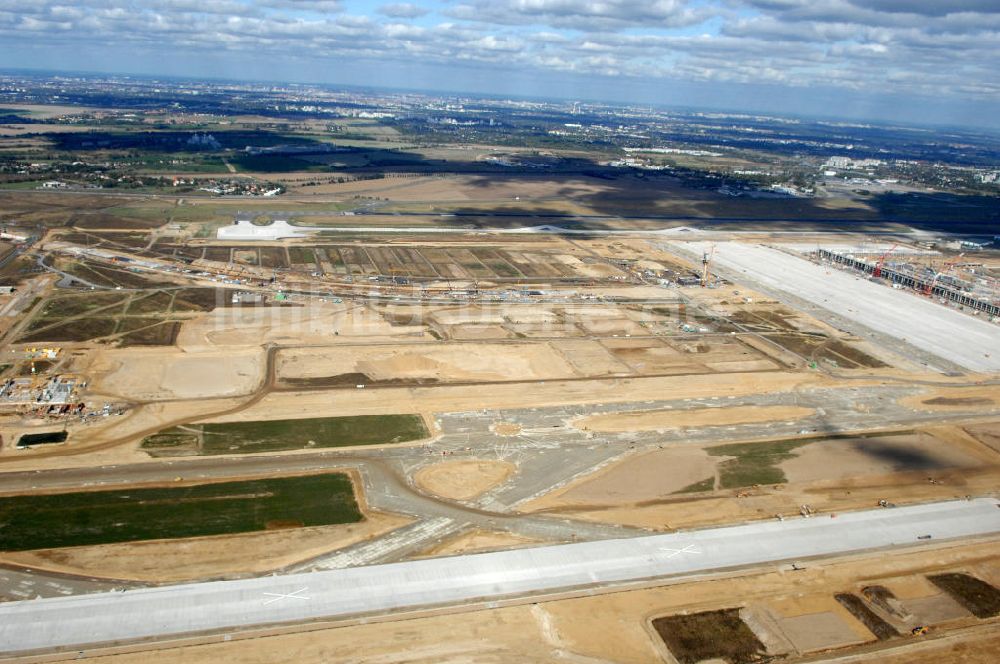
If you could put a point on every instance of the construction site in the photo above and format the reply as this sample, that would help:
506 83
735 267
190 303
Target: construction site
967 284
433 406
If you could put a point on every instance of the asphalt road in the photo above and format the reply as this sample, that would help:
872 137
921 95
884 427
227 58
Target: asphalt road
152 613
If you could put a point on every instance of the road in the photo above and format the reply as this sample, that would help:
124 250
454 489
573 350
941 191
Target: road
152 613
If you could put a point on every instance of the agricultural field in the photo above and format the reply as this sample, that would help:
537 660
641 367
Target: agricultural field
127 515
142 318
447 263
282 435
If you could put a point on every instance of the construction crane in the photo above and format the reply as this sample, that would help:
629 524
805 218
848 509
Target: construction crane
877 272
929 288
706 261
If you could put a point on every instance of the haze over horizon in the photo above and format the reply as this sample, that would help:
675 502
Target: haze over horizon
880 60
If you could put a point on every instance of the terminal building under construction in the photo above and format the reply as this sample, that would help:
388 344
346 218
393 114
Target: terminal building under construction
980 295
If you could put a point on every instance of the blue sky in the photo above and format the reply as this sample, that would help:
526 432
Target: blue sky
909 60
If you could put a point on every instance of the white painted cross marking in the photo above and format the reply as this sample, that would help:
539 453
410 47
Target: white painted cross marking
277 597
676 552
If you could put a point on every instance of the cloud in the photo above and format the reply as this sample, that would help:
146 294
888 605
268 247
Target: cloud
403 10
586 15
930 7
327 6
903 47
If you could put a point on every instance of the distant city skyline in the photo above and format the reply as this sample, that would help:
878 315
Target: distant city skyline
907 61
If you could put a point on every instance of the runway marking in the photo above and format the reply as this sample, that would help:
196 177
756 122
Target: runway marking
277 597
676 552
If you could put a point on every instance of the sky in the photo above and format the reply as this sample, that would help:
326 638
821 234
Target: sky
925 61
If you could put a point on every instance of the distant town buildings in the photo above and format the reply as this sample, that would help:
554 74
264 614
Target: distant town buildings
852 164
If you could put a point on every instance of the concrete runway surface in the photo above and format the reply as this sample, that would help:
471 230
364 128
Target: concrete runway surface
88 620
969 342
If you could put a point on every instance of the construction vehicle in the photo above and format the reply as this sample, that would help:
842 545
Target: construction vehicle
919 630
706 261
877 272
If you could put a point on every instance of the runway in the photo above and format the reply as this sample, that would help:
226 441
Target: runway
960 338
89 620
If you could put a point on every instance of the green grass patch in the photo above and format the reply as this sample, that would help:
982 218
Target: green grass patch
200 299
148 332
80 329
280 435
155 303
274 163
83 303
754 463
188 164
171 440
128 515
301 255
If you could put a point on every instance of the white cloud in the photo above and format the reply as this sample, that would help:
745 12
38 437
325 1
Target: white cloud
403 10
587 15
893 46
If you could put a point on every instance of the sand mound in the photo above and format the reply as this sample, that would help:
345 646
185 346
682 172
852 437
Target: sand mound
462 480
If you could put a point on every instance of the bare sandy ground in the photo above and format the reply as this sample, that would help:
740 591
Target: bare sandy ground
476 541
607 628
166 373
651 356
478 332
638 478
470 397
830 475
591 357
469 315
985 397
816 621
655 420
439 362
988 434
827 497
611 326
463 479
315 323
841 459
